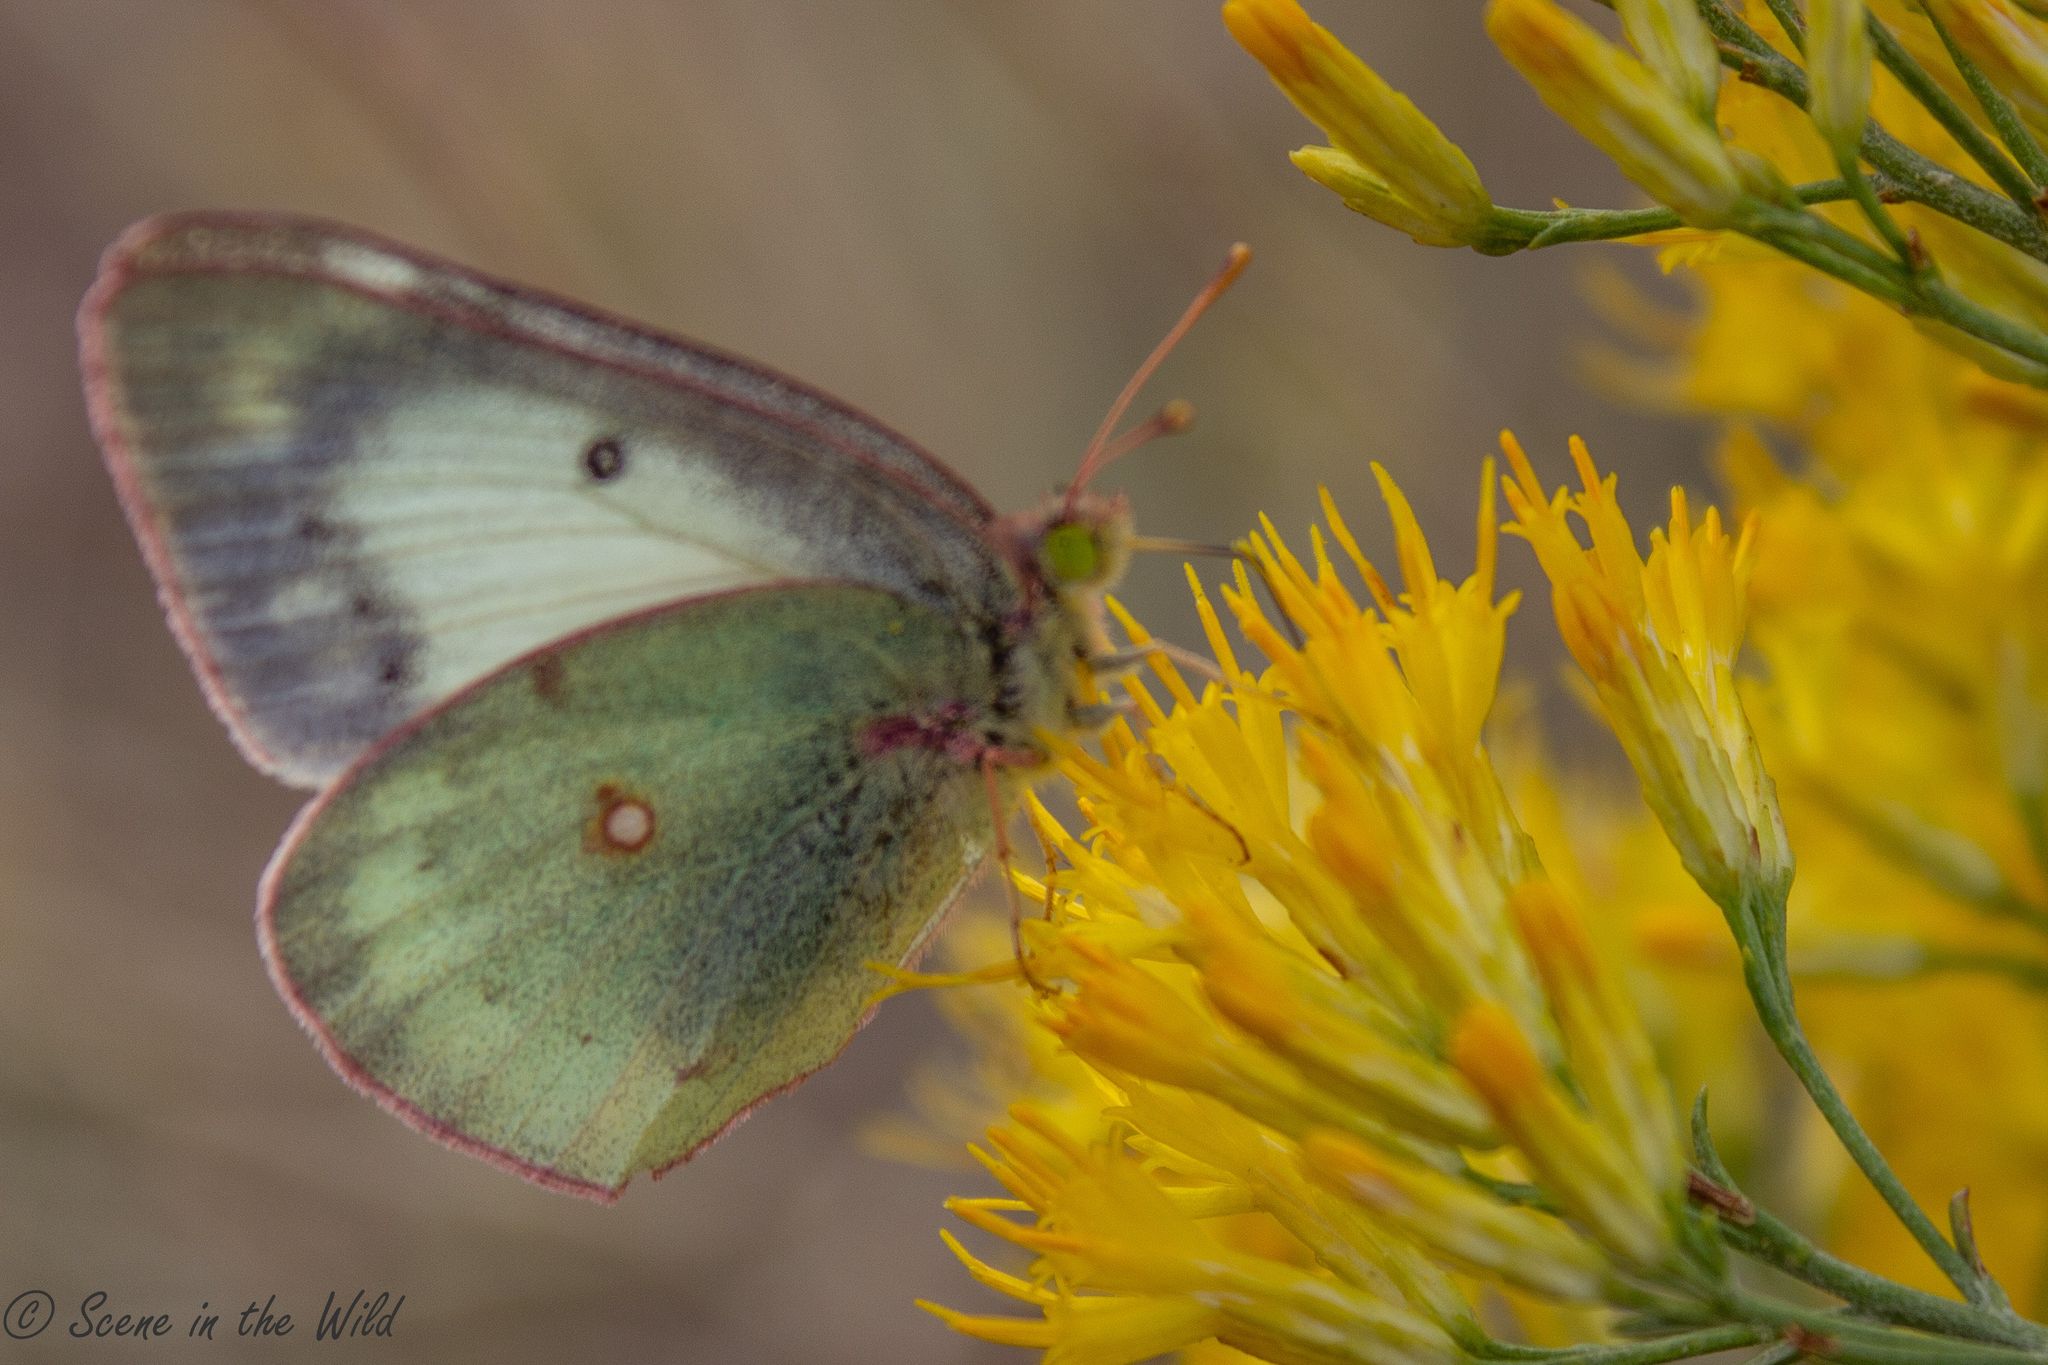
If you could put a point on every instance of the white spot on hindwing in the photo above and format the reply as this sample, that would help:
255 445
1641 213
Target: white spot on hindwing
628 825
624 822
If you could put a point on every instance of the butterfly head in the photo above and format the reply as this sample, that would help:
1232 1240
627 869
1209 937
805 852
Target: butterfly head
1079 542
1083 545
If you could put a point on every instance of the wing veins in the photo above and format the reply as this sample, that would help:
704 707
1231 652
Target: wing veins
440 901
731 889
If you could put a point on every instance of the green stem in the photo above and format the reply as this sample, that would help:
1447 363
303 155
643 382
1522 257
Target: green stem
1879 283
1682 1346
1912 176
1934 299
1534 229
1765 1238
1951 116
1880 217
1773 222
1827 248
1775 1244
2004 119
1836 1335
1859 1342
1791 20
1770 989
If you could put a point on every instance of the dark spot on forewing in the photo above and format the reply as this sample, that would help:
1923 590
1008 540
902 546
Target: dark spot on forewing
604 459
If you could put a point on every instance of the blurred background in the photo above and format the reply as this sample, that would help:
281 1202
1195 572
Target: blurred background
970 219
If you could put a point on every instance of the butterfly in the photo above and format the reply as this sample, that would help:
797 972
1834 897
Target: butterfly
647 695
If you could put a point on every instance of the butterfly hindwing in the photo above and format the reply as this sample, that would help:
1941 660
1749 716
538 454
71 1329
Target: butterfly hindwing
365 477
581 917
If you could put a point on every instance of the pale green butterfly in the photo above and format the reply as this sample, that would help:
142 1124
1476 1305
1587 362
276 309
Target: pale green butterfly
650 695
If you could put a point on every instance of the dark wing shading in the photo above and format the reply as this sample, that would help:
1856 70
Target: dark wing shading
583 916
365 478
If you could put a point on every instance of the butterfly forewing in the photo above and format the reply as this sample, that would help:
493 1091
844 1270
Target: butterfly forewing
582 916
366 478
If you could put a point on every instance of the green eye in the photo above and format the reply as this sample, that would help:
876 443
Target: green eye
1072 552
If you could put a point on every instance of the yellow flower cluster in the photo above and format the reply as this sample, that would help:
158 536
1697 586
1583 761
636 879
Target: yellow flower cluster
1389 162
1353 1056
1891 561
1329 1066
1897 577
1901 704
1922 190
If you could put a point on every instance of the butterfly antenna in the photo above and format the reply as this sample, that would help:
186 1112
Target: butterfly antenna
1101 450
1170 420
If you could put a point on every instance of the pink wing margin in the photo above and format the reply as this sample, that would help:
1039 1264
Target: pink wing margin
291 246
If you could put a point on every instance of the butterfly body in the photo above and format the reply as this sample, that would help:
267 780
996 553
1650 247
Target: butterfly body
649 695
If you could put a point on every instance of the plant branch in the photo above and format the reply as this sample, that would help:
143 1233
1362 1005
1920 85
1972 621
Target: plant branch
1770 990
1534 229
1912 176
1767 1239
1681 1346
2004 119
1825 247
1951 116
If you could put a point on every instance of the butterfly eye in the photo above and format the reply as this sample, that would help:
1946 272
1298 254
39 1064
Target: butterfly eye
1072 552
604 460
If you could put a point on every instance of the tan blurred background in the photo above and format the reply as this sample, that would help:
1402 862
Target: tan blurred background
968 218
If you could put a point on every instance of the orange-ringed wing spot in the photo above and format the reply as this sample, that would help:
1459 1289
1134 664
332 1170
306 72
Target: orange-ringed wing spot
624 822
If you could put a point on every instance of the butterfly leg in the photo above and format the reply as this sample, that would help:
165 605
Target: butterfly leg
992 758
949 731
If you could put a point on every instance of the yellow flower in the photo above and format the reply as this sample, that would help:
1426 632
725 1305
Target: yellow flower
1354 1057
1901 703
1838 69
1134 1231
1620 106
1460 1223
1676 44
1658 638
1389 162
1569 1153
1604 1037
